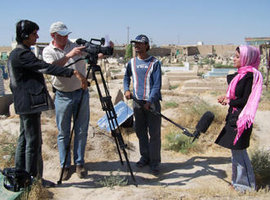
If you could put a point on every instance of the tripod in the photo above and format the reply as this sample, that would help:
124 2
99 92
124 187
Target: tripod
108 107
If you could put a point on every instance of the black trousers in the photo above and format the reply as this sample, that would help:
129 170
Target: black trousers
148 131
28 153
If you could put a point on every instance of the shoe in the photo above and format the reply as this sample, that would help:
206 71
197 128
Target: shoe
47 183
141 163
66 173
81 172
155 170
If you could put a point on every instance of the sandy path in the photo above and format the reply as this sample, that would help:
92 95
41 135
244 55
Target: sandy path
181 175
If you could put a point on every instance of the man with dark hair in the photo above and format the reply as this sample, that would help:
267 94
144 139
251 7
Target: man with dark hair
146 75
31 96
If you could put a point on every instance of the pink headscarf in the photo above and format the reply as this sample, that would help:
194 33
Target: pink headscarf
250 61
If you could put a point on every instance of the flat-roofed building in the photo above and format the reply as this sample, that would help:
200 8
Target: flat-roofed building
257 40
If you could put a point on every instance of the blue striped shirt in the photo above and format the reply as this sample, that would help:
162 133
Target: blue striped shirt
146 78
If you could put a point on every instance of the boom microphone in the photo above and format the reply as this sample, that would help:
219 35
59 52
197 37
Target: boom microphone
203 124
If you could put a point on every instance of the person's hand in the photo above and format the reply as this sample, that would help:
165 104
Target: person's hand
111 44
100 55
84 83
128 94
147 105
223 100
75 51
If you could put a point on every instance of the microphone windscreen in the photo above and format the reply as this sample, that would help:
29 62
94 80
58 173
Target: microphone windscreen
205 122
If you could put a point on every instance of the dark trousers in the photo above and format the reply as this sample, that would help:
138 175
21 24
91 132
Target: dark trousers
147 127
28 153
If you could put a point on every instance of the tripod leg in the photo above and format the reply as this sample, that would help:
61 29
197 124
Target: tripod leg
107 106
129 167
123 147
118 149
59 182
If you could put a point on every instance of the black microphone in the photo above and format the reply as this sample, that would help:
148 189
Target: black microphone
203 124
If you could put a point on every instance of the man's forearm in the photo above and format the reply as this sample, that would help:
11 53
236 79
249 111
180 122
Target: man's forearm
61 61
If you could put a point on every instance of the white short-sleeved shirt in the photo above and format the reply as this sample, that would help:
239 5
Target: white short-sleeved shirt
51 54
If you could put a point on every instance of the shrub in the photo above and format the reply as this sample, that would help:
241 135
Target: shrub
260 160
113 180
128 53
7 150
36 192
190 115
223 66
171 104
172 87
178 142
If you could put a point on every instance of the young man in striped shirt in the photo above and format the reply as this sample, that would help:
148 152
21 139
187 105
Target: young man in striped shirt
145 71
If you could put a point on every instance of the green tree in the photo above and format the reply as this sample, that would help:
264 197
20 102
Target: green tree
128 54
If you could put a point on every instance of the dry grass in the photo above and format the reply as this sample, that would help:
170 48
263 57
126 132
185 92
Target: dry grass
260 160
169 104
204 192
50 138
7 150
265 100
102 147
191 114
36 192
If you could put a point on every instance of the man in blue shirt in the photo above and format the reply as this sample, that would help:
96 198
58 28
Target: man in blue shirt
145 71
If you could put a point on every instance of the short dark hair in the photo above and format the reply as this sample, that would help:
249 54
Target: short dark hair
148 46
24 28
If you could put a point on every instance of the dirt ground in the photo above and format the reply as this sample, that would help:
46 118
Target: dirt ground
194 176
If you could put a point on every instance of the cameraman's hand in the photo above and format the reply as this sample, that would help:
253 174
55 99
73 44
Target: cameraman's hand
111 44
83 80
100 55
75 51
128 94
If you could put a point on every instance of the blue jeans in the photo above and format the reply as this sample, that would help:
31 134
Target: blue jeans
243 177
66 107
28 152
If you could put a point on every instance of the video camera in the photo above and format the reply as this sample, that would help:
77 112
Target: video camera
93 49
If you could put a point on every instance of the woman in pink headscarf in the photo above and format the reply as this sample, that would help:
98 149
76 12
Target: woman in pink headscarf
243 95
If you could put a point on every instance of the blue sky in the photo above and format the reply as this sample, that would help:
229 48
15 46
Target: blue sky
164 21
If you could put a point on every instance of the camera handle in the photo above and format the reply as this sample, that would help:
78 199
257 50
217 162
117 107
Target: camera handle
108 107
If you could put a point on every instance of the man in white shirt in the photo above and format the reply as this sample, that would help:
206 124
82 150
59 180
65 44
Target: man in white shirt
61 51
